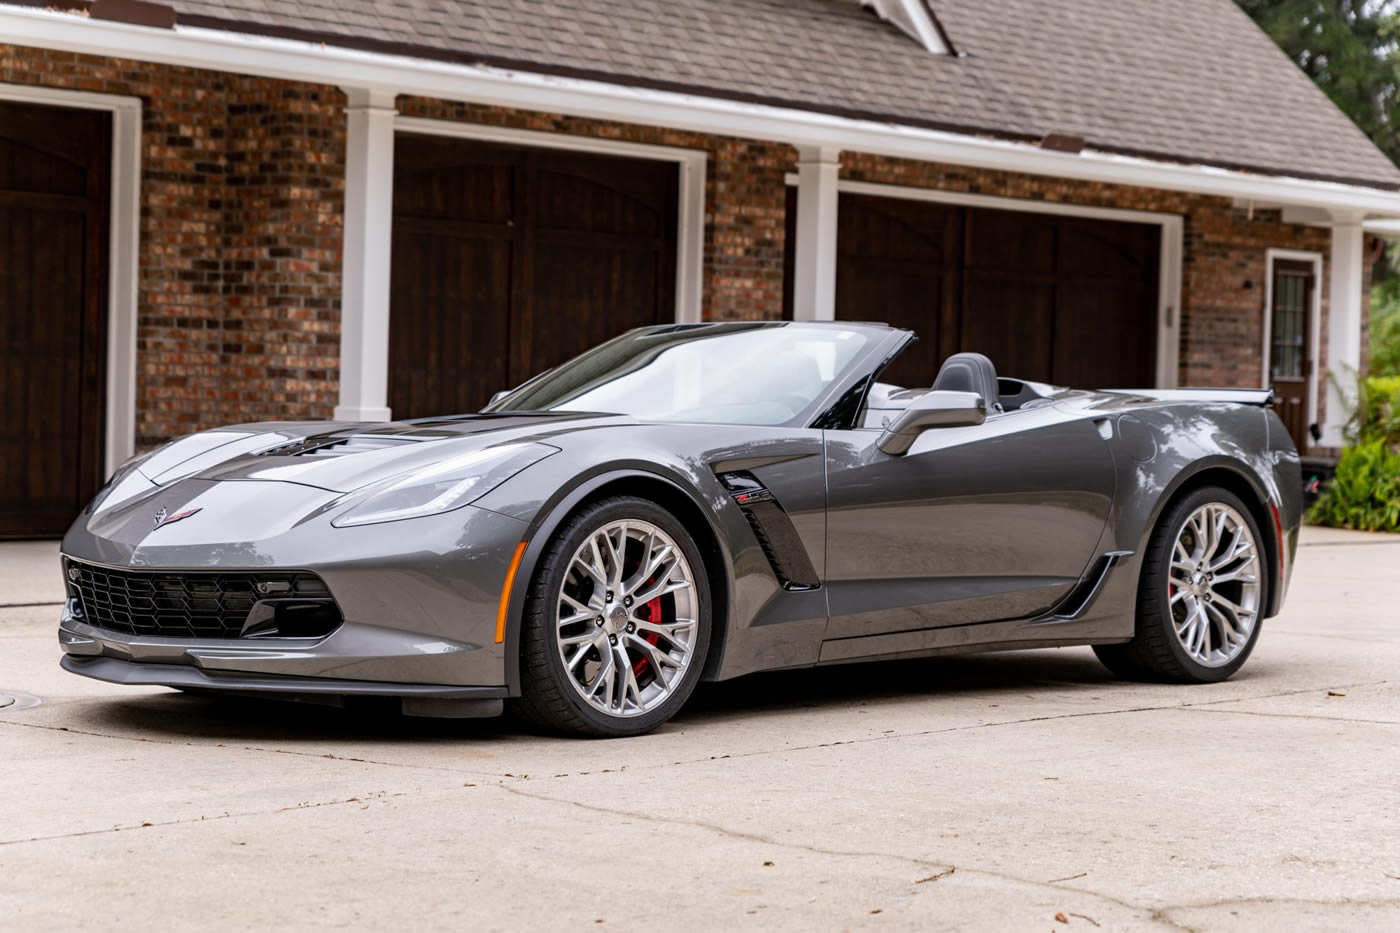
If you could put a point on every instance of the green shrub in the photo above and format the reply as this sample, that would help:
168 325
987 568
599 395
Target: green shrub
1385 341
1365 492
1377 411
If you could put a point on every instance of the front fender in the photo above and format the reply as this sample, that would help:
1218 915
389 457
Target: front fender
545 516
759 625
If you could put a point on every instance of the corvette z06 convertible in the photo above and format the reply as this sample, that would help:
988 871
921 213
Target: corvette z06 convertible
682 503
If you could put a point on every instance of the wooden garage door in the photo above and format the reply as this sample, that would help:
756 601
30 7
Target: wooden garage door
54 168
1066 300
509 260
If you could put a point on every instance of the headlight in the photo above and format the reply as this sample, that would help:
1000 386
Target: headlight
441 487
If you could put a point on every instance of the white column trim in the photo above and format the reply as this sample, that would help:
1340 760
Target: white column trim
1168 297
690 207
364 307
814 256
1271 256
123 255
1343 322
1169 277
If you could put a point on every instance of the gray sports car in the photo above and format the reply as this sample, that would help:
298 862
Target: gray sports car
683 503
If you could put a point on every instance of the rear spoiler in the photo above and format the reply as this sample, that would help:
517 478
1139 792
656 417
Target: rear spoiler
1260 397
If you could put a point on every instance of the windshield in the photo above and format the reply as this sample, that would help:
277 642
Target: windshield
760 373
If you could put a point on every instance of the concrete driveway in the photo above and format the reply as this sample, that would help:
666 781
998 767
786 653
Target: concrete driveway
1020 791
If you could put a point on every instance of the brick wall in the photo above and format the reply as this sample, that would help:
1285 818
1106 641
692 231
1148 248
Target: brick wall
242 194
282 240
239 280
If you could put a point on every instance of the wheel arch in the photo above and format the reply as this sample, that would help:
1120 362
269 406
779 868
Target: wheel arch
1237 478
645 484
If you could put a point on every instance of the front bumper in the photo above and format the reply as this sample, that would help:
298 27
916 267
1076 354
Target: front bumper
418 597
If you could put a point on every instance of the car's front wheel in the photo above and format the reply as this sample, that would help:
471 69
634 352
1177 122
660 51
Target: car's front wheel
617 622
1201 594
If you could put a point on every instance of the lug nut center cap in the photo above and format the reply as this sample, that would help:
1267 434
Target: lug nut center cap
617 617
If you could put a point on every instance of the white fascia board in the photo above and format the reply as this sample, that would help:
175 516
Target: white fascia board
316 63
1383 227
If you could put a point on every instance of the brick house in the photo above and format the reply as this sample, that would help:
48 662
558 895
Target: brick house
214 212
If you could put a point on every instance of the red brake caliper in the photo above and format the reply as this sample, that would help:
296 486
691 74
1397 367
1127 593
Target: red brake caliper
653 614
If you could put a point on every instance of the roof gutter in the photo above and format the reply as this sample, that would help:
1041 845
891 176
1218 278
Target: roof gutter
1383 227
316 63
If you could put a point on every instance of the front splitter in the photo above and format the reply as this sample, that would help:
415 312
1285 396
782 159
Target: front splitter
435 700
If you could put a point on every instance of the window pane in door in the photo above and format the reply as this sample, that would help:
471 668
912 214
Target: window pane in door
1288 332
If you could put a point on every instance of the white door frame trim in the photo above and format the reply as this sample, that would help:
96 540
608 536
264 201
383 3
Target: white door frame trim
123 254
1272 255
1169 260
690 207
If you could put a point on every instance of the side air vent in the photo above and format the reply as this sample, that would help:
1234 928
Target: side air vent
324 445
774 531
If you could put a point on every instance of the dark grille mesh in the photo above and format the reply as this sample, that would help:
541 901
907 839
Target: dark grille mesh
192 604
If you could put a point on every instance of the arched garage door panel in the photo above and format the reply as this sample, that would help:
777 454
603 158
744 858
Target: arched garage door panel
1068 300
509 260
54 168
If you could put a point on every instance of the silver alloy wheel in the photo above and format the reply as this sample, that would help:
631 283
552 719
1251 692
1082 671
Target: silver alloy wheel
626 620
1213 588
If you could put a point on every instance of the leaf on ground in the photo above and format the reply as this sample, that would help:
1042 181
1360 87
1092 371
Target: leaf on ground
1061 917
767 864
1070 878
936 875
1336 693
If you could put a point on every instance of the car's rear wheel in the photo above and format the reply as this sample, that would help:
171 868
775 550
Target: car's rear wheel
617 622
1201 594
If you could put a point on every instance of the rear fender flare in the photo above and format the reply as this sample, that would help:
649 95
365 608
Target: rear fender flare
1265 497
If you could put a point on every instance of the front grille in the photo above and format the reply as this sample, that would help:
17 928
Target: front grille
203 604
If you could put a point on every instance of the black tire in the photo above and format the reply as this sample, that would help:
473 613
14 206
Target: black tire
1155 653
548 697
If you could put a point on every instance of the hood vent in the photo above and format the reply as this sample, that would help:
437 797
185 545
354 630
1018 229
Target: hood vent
330 445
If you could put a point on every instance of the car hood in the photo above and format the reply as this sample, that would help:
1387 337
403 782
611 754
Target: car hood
341 457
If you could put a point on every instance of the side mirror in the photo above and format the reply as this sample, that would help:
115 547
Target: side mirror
498 396
937 409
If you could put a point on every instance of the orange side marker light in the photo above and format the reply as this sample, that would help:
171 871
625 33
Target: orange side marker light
505 592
